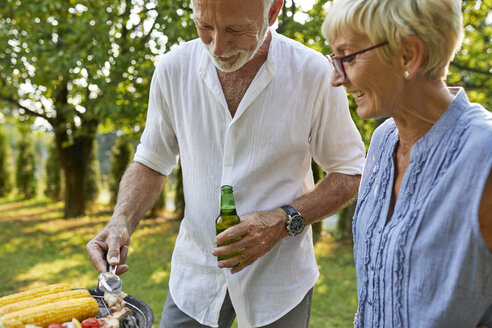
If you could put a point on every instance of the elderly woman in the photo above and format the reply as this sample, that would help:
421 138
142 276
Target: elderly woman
423 223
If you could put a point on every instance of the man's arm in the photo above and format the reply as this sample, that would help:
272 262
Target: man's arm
260 231
138 190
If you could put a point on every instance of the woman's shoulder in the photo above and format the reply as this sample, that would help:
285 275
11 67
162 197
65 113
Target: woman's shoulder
477 127
381 133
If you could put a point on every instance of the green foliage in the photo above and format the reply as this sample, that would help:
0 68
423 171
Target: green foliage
25 174
121 156
53 174
87 60
472 66
93 180
179 201
80 64
5 174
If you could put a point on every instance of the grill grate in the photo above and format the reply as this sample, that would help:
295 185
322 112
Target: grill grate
103 308
143 316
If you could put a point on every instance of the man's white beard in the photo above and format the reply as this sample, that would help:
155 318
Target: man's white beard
244 55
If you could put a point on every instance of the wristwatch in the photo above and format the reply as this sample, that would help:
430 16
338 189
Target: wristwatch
295 221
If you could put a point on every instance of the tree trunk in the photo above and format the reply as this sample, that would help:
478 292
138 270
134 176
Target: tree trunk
75 160
179 201
317 226
344 224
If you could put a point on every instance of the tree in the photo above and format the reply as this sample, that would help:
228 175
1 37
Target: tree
318 175
25 174
5 182
53 174
471 68
121 156
93 179
179 201
80 64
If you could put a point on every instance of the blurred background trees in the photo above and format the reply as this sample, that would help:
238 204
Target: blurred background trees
5 174
25 168
78 71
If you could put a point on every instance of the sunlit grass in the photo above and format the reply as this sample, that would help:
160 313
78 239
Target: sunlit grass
39 247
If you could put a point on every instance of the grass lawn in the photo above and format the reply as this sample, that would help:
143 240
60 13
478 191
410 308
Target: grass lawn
39 247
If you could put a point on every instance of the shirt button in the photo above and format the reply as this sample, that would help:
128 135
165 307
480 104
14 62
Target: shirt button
369 302
379 230
372 267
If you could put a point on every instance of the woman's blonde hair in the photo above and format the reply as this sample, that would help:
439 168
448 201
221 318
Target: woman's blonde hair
438 23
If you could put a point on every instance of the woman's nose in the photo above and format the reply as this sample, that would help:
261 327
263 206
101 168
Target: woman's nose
337 79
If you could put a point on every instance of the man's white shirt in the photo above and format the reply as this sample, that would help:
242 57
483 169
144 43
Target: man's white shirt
289 114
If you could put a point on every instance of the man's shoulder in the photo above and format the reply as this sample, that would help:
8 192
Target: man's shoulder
292 53
182 54
292 44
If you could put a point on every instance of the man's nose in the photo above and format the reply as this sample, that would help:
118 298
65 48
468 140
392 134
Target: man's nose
221 42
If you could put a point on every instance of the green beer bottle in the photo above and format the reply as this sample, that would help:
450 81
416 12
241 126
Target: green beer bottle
227 217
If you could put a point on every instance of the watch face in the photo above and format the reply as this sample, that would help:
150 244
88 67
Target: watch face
296 225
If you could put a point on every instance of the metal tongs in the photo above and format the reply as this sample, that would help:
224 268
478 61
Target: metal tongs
109 281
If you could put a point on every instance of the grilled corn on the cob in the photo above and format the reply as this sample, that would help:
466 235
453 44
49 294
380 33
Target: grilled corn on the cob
33 293
50 298
45 314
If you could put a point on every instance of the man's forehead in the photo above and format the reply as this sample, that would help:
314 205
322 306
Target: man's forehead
239 4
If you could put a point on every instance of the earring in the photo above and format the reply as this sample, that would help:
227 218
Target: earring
406 74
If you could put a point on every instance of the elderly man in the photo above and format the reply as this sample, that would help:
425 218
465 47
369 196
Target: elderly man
246 107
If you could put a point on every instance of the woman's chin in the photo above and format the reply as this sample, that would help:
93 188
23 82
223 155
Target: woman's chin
364 114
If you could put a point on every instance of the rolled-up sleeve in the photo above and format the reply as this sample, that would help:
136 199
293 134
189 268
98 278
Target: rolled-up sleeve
158 148
336 144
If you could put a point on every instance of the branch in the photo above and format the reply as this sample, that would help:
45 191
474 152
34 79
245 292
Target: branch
470 69
27 110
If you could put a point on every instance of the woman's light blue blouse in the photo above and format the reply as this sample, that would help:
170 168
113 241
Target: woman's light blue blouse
428 266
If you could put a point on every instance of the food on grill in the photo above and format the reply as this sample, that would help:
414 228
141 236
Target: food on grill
45 314
90 323
29 303
58 306
55 325
116 319
76 323
115 302
33 293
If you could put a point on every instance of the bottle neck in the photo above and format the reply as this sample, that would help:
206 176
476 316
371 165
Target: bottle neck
227 204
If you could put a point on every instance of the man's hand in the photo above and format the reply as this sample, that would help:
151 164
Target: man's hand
110 246
259 232
138 190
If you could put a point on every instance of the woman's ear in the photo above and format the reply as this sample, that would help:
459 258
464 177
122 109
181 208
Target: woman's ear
412 55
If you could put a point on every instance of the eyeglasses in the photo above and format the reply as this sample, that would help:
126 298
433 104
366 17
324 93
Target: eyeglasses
337 62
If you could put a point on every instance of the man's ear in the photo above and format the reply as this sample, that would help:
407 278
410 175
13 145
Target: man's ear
412 55
274 11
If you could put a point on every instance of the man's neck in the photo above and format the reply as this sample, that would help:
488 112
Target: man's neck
235 84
